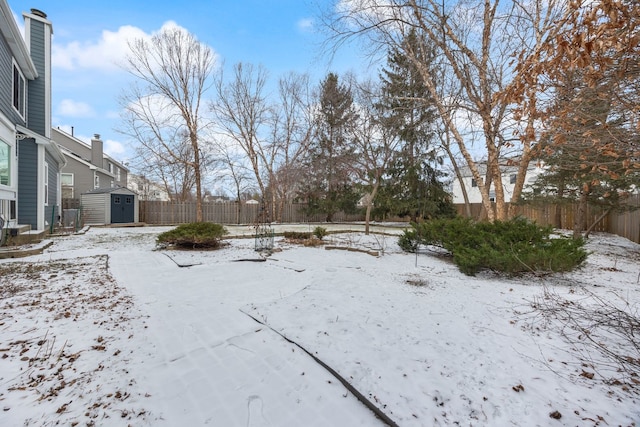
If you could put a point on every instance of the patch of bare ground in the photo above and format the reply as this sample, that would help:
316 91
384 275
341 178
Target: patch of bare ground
60 324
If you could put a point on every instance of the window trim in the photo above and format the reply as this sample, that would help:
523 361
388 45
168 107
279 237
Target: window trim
46 184
63 174
21 90
10 163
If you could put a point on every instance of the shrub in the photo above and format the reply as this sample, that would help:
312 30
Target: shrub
194 235
296 235
320 232
512 247
409 241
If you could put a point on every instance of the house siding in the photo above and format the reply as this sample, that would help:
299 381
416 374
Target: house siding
6 83
82 176
79 157
96 208
36 121
28 183
52 210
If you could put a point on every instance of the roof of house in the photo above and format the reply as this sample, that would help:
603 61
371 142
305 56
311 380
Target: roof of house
87 146
18 47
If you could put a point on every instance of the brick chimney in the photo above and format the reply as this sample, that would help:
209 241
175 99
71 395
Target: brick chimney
97 157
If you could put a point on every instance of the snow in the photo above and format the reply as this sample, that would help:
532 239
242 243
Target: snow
104 329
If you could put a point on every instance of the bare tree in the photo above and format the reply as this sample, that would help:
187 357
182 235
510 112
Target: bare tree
242 114
376 144
476 45
291 130
162 109
237 172
273 134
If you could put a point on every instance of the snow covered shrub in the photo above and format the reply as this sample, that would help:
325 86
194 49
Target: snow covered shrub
320 232
408 241
194 235
513 246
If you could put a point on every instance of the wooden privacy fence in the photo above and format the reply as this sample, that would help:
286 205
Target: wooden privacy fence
625 224
167 213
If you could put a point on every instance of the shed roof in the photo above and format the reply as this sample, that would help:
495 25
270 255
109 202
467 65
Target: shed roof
114 190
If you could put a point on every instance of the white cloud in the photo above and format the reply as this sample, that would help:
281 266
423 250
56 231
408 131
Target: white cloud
107 53
305 25
71 108
114 148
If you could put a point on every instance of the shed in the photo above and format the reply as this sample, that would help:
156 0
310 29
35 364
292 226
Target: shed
115 205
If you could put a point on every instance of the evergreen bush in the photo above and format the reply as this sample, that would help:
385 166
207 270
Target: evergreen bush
194 235
320 232
513 246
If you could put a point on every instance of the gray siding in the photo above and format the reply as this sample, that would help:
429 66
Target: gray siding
37 89
28 183
82 176
6 83
52 211
96 208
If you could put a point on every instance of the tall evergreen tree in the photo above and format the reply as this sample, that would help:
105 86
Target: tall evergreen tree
329 185
587 149
413 185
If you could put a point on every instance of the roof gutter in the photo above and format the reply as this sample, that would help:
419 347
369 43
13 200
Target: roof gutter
16 42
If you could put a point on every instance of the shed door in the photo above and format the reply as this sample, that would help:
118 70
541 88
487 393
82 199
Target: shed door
122 209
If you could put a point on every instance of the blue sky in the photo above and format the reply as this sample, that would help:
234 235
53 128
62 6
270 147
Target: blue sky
90 39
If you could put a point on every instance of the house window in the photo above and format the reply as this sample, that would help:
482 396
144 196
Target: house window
66 179
46 184
96 181
111 184
18 90
117 173
5 163
110 167
512 178
474 183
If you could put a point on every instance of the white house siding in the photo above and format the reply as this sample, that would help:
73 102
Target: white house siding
474 192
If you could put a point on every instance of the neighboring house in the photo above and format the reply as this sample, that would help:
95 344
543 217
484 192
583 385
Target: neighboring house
29 161
87 168
147 189
509 176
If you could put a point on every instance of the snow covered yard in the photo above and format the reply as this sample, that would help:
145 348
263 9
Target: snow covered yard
102 329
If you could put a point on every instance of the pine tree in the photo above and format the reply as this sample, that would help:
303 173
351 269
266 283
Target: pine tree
413 185
586 149
329 184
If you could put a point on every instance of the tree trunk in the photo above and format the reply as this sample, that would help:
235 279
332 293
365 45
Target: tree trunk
370 200
600 218
197 174
558 212
581 214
